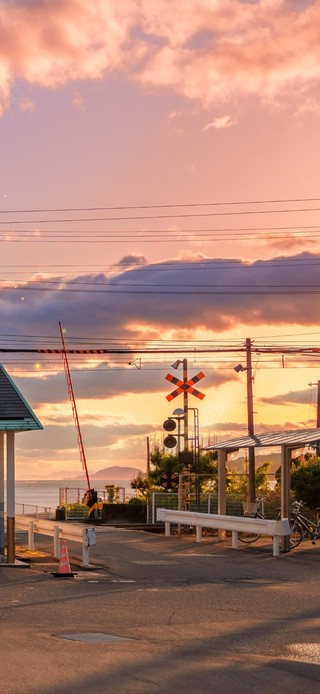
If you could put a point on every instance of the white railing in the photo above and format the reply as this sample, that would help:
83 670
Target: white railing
261 526
74 533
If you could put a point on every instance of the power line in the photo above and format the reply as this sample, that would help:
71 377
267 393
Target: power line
281 349
254 291
293 227
161 206
137 237
163 216
179 265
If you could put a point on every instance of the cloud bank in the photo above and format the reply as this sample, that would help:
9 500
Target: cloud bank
177 298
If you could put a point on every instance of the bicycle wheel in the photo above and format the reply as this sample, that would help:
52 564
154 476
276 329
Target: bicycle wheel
296 534
248 537
315 536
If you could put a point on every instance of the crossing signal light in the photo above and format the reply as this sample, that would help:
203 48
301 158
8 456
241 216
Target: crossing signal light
169 425
170 441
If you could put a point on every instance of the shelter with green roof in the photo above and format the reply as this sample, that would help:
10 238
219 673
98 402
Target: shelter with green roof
15 416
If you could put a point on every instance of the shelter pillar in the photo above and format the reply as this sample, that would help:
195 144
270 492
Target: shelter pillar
222 478
10 499
1 493
285 491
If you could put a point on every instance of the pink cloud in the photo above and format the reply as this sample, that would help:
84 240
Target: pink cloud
210 50
215 50
51 44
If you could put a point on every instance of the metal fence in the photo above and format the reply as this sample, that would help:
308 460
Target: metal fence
72 500
208 503
34 511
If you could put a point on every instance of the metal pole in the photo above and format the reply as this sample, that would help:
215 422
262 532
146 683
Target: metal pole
10 499
318 406
56 542
222 479
1 493
285 492
251 452
185 406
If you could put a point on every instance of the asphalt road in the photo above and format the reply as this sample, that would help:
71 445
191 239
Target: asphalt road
163 615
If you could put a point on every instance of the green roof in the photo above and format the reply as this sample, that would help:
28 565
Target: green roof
15 413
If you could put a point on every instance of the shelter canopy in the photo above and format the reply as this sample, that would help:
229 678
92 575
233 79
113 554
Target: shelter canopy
291 439
15 413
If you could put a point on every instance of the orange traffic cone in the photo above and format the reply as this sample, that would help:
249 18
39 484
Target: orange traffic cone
64 570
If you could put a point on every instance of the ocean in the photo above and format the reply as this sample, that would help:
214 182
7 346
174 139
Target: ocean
45 493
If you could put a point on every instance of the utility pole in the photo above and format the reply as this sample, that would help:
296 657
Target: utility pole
148 456
251 457
318 402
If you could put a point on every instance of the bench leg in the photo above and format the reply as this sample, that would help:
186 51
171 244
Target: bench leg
234 539
167 528
276 545
198 533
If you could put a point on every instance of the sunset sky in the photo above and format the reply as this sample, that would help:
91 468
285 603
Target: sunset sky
159 185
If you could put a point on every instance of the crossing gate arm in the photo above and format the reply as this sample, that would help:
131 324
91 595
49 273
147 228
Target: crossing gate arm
261 526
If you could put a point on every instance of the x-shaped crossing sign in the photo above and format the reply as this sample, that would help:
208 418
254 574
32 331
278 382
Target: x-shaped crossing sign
185 386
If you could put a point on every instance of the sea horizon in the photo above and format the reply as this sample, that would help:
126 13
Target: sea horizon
45 493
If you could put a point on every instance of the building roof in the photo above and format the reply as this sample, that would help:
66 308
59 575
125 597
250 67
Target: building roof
15 413
293 439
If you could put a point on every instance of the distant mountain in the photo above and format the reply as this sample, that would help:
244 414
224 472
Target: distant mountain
115 472
274 458
58 475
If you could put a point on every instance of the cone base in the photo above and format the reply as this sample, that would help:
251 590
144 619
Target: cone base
70 574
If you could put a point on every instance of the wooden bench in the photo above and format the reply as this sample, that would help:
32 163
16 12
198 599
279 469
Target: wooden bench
236 524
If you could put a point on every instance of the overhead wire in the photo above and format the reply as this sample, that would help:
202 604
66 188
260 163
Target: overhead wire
254 291
154 206
163 206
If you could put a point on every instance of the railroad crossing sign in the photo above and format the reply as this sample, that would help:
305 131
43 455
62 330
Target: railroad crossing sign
185 386
169 480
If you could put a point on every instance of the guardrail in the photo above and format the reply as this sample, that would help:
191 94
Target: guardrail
236 524
74 533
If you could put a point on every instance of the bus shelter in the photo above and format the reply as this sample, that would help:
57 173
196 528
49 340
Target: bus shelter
15 416
288 442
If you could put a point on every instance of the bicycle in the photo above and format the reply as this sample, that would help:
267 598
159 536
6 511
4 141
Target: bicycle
301 525
251 509
316 534
256 510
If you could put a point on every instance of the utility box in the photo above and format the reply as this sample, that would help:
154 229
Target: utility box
60 514
89 537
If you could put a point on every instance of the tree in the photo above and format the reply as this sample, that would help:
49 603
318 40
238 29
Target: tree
163 463
141 484
204 467
305 481
237 483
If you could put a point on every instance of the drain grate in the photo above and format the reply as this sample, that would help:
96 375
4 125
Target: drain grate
93 637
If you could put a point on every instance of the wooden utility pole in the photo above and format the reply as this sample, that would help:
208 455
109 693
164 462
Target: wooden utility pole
251 493
148 456
318 402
